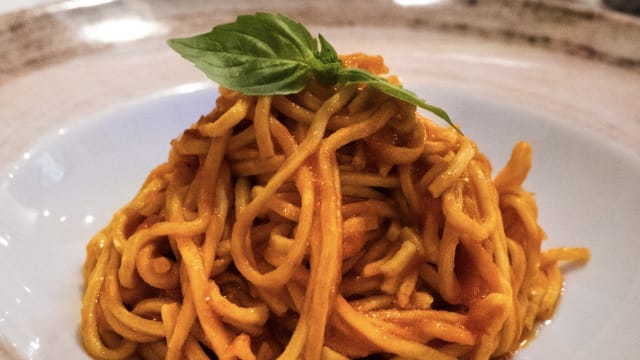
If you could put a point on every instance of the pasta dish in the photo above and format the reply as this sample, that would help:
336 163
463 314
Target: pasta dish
334 223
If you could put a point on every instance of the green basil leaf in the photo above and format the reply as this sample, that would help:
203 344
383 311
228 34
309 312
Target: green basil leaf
269 54
262 54
329 63
327 54
350 76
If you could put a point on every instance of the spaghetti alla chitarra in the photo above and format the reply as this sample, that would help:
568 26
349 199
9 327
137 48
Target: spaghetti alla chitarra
334 223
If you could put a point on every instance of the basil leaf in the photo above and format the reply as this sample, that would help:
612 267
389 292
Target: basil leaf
351 76
330 63
327 54
261 54
269 54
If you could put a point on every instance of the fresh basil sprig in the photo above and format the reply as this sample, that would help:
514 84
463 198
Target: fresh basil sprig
269 54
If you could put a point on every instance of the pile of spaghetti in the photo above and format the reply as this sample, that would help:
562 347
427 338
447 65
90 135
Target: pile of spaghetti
331 224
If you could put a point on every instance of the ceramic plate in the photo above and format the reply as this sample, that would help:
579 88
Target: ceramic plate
86 118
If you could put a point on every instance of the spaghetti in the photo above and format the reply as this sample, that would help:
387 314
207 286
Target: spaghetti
334 223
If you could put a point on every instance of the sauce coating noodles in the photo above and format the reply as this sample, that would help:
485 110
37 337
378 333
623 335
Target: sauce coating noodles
331 224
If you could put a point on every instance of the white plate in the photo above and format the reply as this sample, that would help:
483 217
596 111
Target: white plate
109 109
68 186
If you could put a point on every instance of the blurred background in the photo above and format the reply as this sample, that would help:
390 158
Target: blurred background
629 6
